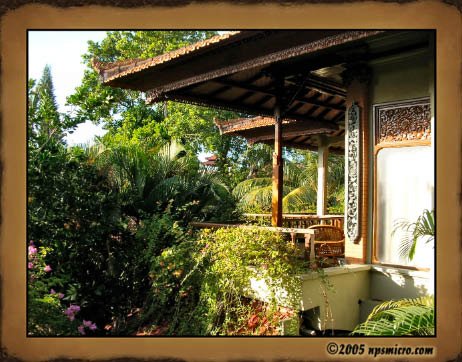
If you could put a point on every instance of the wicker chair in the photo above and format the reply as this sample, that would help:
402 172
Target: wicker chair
329 243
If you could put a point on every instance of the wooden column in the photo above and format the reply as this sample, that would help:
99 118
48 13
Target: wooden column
323 153
276 200
357 78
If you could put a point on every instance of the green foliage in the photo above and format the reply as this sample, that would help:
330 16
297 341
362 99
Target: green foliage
234 256
130 121
44 309
45 123
422 228
300 184
166 179
176 275
198 285
406 317
73 210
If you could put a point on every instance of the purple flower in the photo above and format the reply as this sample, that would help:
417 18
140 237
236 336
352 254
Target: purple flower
60 295
52 291
47 269
72 311
74 308
81 330
30 265
90 325
32 250
31 242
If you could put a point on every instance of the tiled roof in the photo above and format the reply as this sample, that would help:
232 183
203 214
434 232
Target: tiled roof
114 70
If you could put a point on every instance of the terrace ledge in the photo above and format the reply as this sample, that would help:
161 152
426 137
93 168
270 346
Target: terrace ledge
337 270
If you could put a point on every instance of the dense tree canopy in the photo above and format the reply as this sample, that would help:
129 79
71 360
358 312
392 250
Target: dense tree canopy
125 114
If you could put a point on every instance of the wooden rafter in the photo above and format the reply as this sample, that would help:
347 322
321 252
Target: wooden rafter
237 106
267 91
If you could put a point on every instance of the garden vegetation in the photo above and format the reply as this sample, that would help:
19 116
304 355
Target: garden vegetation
110 250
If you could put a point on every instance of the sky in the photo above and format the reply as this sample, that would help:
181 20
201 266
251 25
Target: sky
63 50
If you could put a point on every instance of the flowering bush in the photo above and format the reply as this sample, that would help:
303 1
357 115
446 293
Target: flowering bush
46 310
234 257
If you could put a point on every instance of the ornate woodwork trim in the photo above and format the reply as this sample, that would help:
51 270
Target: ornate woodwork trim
403 121
353 167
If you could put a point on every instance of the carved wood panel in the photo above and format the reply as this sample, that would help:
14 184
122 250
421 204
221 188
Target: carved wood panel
403 121
353 151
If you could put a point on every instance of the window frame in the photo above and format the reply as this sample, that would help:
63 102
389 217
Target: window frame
377 147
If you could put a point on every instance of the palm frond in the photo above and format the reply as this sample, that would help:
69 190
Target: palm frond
301 198
422 228
406 317
247 186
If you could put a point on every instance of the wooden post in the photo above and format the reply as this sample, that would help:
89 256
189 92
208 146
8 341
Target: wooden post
323 153
276 200
356 79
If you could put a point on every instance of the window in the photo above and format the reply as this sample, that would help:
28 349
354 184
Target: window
404 174
404 189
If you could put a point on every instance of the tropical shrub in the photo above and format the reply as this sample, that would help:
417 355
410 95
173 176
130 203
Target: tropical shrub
406 317
233 257
176 276
164 179
46 307
73 211
201 286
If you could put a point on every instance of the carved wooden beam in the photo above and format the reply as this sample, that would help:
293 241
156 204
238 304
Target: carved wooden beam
286 134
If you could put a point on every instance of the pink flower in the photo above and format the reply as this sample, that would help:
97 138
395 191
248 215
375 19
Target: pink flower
47 269
60 295
81 330
90 325
72 311
52 291
74 308
32 250
31 242
30 265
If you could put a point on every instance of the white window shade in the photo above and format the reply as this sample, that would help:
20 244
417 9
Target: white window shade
405 188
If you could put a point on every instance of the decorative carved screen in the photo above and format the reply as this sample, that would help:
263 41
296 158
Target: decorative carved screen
353 166
402 121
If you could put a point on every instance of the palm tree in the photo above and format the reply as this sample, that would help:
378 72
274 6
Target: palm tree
406 317
165 178
299 188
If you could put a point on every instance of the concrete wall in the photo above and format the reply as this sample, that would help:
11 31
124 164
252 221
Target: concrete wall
394 283
400 78
397 79
349 285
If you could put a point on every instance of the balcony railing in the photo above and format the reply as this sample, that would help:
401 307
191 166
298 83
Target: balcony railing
302 221
314 243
